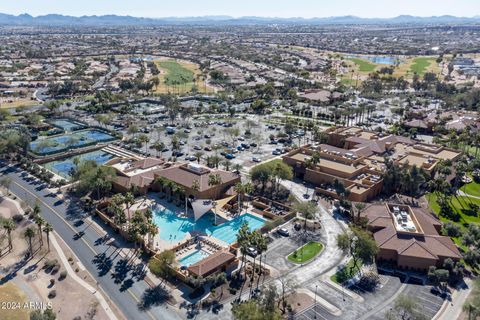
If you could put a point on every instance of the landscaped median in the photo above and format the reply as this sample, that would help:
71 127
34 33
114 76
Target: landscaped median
346 272
306 252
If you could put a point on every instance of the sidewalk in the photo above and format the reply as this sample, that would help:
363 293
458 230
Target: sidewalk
80 281
452 309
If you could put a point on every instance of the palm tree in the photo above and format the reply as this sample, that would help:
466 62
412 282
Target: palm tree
215 180
47 229
39 221
240 189
242 241
29 233
237 167
198 155
129 200
359 206
9 225
262 247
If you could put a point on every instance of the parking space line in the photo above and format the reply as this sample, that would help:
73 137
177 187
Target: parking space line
430 301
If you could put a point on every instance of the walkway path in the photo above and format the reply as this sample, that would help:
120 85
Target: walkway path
79 280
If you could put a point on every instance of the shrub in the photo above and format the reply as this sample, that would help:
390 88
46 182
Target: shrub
63 275
70 259
17 218
52 282
52 294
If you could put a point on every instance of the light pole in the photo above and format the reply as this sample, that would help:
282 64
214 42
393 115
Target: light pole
315 305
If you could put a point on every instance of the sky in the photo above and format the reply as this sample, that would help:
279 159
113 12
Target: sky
237 8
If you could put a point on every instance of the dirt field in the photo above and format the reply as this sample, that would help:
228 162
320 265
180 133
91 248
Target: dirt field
28 280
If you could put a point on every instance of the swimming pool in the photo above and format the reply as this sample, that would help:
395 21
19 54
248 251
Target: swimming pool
174 228
63 167
192 258
73 140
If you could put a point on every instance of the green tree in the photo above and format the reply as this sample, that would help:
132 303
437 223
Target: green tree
29 233
215 180
48 229
161 264
358 244
307 210
9 225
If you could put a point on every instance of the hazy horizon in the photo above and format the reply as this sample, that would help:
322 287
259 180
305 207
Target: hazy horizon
259 8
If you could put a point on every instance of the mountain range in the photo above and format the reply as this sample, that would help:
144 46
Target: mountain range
58 19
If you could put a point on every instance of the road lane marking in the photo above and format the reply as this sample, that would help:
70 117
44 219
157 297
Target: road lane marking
73 230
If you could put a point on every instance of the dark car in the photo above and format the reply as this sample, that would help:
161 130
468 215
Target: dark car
178 154
253 145
251 251
283 231
229 156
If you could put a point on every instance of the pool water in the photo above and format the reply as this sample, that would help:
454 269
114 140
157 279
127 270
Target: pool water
192 258
64 141
67 125
63 167
174 228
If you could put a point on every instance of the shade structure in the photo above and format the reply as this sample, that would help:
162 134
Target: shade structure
202 206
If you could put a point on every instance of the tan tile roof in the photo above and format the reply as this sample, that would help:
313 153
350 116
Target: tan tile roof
186 177
429 245
209 264
146 163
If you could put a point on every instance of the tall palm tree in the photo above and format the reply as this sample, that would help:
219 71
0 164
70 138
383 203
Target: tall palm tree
47 229
214 180
240 189
9 225
129 200
29 233
39 221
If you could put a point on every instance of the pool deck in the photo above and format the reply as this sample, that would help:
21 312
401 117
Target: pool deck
160 244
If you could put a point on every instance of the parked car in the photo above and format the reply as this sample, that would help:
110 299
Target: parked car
240 148
276 153
253 145
241 139
251 251
197 147
207 149
191 158
256 159
229 156
283 232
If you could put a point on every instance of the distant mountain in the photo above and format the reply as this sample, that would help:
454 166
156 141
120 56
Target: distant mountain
57 19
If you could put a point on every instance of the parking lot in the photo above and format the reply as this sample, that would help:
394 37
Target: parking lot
242 139
428 303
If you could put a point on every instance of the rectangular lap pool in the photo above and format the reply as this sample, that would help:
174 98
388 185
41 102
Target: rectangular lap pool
63 167
66 141
174 228
192 258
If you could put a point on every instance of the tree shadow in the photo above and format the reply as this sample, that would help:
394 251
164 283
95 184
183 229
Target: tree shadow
121 270
103 263
153 297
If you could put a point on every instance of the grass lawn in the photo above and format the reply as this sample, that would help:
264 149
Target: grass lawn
459 205
363 65
473 189
346 272
421 64
306 252
9 292
184 75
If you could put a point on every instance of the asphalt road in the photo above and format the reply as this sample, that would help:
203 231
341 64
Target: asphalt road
121 280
